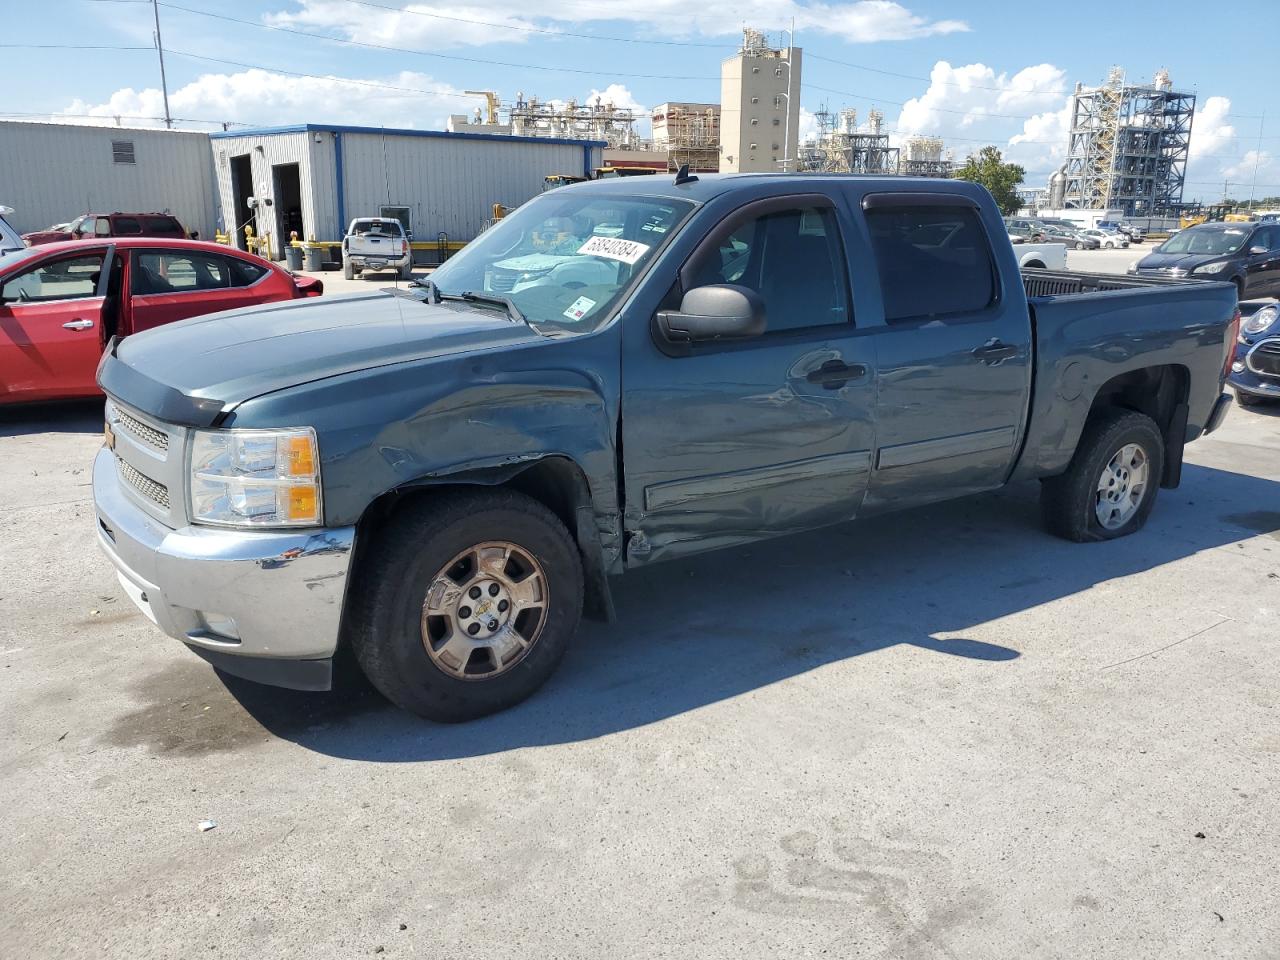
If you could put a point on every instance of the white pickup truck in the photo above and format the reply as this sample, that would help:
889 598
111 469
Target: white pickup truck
1043 256
373 243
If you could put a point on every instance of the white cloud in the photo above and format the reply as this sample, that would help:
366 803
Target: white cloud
418 24
961 101
261 97
808 126
1041 147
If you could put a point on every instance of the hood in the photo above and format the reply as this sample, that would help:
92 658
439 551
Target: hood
1183 261
192 371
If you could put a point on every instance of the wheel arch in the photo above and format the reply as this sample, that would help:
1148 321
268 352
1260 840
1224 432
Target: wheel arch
1161 392
555 480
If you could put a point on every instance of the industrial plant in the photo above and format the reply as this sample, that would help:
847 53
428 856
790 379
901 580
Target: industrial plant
1128 148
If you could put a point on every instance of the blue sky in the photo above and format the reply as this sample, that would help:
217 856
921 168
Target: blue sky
971 72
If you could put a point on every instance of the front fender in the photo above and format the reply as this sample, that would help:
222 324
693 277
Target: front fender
481 414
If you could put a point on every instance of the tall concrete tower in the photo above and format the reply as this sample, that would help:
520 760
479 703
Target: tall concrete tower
760 107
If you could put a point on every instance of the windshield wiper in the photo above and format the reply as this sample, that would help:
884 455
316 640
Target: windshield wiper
427 284
489 299
436 295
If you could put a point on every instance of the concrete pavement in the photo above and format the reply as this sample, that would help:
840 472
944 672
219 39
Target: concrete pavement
941 734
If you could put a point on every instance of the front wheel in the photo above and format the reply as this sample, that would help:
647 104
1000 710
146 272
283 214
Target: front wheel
1079 246
1110 487
466 604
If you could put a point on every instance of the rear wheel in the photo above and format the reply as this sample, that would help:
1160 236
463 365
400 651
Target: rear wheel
348 270
406 272
1079 245
1110 487
466 604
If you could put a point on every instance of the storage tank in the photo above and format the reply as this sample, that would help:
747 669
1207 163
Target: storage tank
1057 188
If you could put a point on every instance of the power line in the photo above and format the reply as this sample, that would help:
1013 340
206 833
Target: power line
67 46
437 56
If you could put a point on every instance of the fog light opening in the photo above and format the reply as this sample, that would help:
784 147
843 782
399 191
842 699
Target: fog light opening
220 624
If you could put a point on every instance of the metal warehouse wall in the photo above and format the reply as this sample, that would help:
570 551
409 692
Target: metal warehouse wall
449 183
53 172
266 151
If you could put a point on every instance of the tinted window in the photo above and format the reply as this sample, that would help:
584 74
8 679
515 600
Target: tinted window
933 261
792 258
71 278
244 273
126 225
178 273
161 225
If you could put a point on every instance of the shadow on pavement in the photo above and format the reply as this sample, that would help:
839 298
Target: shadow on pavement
63 416
694 632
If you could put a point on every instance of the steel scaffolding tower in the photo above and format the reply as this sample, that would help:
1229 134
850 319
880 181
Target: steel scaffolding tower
1128 147
842 148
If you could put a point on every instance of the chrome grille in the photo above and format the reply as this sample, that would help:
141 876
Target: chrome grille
157 493
156 439
1264 358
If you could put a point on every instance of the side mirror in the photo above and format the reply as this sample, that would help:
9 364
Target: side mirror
719 311
1257 251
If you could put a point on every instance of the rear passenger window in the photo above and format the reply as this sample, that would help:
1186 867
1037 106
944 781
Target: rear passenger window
178 273
933 261
244 273
125 226
165 225
792 258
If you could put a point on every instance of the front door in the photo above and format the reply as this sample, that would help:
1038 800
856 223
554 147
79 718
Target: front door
51 328
728 442
954 354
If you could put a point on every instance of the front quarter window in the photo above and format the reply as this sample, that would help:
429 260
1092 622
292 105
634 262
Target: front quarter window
565 258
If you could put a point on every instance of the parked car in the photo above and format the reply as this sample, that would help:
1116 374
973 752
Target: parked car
1132 232
1030 230
9 238
100 226
1041 256
375 243
1255 371
706 362
1072 237
1247 254
1107 239
61 303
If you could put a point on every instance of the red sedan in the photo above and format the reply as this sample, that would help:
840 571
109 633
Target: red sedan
60 303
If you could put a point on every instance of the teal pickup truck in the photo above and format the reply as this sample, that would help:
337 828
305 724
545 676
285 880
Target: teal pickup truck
445 478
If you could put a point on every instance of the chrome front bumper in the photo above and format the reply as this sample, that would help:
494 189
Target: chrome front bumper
231 594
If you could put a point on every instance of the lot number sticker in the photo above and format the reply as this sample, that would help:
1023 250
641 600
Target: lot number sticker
628 251
579 308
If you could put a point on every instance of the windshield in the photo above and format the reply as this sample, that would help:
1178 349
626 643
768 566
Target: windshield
382 228
566 257
1211 241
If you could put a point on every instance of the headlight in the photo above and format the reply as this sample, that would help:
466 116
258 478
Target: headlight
1211 267
1261 320
255 478
1133 267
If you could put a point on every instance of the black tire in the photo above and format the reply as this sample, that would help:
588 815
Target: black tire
1079 245
1247 399
348 270
406 272
385 627
1068 501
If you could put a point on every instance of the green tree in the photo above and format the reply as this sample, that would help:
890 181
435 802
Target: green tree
988 168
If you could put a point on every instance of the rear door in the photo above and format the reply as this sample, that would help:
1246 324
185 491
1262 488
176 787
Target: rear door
169 285
728 442
51 327
954 354
1264 268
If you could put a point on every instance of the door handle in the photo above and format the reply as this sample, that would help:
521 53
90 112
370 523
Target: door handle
78 325
834 374
994 352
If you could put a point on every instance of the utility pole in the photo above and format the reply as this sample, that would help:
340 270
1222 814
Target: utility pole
164 84
1257 155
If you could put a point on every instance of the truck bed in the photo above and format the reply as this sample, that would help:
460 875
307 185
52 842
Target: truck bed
1058 283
